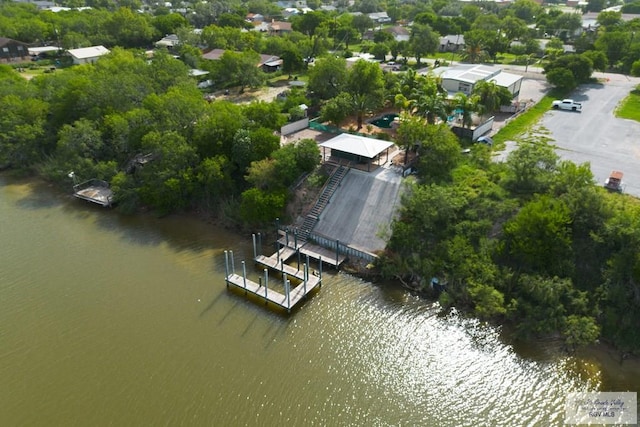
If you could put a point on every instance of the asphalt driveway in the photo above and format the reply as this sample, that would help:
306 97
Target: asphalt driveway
596 136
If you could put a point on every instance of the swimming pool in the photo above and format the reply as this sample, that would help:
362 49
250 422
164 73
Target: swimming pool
384 121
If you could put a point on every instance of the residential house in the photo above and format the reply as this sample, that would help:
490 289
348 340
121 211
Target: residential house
254 17
86 55
13 50
213 54
289 12
451 43
268 63
277 28
169 41
464 77
400 33
380 17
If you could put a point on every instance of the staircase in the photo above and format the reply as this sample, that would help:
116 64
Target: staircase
327 192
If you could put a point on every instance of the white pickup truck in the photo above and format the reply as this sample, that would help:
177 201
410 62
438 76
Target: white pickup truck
566 104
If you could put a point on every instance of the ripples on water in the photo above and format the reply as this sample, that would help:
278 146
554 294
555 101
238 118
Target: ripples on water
109 320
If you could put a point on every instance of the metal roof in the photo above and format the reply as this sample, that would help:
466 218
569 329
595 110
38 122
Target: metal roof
358 145
88 52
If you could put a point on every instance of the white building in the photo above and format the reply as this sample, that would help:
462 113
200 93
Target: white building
463 78
87 55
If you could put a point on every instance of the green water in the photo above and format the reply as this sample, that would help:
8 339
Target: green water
108 320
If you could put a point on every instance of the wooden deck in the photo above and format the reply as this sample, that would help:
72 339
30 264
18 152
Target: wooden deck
293 294
94 191
327 255
306 278
296 294
316 252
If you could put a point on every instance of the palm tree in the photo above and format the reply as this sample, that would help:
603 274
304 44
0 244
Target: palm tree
490 96
430 100
467 105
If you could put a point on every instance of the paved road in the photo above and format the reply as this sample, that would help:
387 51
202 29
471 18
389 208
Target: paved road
596 136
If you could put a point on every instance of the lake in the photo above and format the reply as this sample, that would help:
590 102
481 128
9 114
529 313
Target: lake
111 320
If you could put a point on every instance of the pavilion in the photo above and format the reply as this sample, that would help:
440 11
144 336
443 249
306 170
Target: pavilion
357 149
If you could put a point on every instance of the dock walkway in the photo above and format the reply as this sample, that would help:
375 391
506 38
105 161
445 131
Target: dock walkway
275 262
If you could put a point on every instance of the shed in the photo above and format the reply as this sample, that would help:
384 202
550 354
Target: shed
358 149
87 55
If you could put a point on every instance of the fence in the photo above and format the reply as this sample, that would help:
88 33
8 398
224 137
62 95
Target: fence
290 128
332 244
473 133
338 247
324 128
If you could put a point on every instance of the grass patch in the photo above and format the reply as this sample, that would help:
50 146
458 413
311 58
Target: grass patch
629 108
525 121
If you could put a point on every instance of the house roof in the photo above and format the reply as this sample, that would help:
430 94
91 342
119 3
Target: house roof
280 26
194 72
213 54
378 15
5 41
88 52
358 145
169 40
41 49
470 73
505 79
397 30
269 60
452 39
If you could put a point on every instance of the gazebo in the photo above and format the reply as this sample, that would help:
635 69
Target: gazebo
357 149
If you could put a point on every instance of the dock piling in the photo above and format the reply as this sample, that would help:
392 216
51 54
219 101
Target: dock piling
255 252
226 268
287 290
244 277
320 270
266 284
304 282
233 267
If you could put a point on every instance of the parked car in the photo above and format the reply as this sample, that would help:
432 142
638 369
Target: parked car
566 104
486 140
614 182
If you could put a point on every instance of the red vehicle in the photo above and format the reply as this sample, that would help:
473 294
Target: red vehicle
614 182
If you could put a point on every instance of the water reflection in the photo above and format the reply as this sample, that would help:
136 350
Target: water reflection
111 320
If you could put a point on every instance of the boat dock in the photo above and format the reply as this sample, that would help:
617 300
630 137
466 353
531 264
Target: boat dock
291 296
95 191
286 249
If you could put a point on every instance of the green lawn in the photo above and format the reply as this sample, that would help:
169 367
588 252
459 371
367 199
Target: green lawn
521 124
629 108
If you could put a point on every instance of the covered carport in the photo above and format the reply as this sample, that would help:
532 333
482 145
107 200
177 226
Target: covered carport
358 150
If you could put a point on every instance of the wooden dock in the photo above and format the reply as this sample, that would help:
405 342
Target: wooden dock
328 256
95 191
277 262
291 296
286 300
